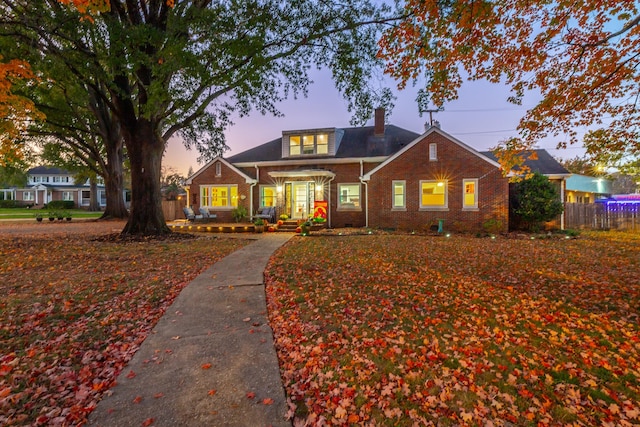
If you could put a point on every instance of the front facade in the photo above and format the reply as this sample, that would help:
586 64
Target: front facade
377 176
46 184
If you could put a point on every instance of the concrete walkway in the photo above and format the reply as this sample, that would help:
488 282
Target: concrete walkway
210 360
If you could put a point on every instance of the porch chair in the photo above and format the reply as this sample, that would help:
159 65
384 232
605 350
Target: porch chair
268 213
206 216
190 215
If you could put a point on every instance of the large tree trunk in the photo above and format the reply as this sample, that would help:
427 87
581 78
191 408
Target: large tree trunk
114 182
145 149
94 203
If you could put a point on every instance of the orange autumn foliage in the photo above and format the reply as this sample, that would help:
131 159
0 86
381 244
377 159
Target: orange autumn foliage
581 57
15 110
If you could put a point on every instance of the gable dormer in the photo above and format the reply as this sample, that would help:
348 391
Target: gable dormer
309 143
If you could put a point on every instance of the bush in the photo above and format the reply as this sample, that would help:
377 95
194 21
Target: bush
8 204
534 201
239 213
61 204
492 226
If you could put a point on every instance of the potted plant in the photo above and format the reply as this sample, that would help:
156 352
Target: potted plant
239 213
38 217
259 225
67 215
52 215
284 217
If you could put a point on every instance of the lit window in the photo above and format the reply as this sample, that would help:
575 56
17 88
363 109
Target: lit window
294 145
433 152
470 195
433 194
398 194
322 143
308 144
349 196
219 196
268 195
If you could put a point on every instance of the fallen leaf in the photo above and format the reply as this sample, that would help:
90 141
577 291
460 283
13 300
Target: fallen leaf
267 401
206 366
212 392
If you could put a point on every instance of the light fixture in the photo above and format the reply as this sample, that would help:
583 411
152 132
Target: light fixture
279 188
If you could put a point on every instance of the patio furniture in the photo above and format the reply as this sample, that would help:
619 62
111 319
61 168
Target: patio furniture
268 213
190 215
206 216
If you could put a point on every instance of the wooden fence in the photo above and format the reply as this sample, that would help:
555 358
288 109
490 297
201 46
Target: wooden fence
602 216
172 209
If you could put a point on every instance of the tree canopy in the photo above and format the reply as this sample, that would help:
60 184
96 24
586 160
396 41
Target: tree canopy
582 58
165 68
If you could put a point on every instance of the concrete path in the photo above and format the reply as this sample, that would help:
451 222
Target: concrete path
210 360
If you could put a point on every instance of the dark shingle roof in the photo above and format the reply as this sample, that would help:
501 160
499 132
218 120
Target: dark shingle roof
356 142
545 163
47 170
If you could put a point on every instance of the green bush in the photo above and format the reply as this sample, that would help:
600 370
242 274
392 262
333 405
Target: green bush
8 204
534 201
239 213
61 204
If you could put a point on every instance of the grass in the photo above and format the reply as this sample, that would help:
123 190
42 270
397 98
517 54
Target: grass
24 213
74 310
404 330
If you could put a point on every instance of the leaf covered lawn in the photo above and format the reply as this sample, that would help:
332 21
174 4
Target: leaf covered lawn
415 330
73 311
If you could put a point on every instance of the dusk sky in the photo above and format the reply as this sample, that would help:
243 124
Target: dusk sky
481 117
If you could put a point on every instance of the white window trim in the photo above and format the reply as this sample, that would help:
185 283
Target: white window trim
208 188
404 196
434 207
433 152
66 199
261 194
342 207
218 169
28 196
315 144
464 185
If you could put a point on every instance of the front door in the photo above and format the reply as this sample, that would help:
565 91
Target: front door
300 200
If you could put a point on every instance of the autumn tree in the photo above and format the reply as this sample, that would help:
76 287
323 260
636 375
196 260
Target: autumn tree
166 68
581 57
16 111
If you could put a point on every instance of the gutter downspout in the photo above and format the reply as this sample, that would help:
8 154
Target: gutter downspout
251 190
366 195
329 212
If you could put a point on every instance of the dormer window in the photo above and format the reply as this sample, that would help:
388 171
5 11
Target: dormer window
308 144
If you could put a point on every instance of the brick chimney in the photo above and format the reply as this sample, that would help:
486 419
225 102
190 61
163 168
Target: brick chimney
378 122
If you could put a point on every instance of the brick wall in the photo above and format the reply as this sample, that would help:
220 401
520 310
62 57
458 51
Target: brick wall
227 176
454 163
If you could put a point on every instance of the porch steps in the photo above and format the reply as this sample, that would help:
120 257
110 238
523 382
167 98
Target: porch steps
290 226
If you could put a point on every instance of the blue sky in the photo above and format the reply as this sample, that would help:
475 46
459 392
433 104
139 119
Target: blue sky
480 117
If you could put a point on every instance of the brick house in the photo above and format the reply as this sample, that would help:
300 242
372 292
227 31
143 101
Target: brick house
377 176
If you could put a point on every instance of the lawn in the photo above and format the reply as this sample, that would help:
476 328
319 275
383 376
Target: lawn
75 309
23 213
417 330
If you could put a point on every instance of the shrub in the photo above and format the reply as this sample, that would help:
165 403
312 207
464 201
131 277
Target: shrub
239 213
61 204
8 204
493 226
534 201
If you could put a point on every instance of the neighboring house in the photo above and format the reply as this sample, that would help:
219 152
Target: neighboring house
587 189
46 184
375 176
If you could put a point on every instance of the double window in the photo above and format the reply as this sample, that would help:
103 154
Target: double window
219 196
268 195
67 195
349 196
308 144
28 196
